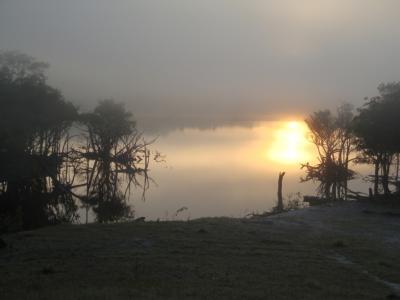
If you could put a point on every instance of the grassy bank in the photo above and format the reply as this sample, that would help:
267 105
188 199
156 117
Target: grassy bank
348 251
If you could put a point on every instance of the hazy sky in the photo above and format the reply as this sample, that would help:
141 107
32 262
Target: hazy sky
207 62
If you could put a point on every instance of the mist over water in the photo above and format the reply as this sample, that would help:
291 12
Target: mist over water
228 171
209 63
230 69
172 149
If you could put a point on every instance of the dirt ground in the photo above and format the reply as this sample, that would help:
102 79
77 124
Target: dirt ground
342 251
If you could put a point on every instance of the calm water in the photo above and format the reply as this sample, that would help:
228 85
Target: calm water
229 171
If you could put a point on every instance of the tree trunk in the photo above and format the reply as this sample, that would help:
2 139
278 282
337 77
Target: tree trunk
385 174
328 191
397 172
280 198
334 192
376 179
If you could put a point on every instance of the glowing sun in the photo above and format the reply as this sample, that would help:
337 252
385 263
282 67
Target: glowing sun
289 144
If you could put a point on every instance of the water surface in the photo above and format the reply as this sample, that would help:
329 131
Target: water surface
227 171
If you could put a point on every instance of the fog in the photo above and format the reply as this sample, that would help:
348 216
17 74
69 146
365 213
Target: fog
183 63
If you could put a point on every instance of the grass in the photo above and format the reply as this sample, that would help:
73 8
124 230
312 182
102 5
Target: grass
218 258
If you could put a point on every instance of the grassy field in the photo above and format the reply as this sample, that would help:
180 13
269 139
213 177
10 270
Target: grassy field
348 251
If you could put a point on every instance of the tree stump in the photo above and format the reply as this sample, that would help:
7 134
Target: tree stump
280 198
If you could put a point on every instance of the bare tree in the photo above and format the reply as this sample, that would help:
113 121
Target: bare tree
333 140
114 157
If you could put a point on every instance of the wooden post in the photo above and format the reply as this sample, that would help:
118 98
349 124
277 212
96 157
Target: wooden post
280 198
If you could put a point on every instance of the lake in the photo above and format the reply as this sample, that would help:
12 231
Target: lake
228 171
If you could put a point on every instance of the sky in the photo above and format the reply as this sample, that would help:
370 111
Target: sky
206 63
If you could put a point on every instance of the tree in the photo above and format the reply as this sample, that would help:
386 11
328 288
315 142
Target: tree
346 146
332 138
34 123
45 171
378 138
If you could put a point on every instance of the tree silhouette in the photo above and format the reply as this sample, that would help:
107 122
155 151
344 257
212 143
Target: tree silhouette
45 170
34 122
378 138
115 153
331 135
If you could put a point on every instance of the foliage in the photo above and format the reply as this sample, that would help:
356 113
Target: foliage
333 140
378 137
112 209
34 121
292 201
45 172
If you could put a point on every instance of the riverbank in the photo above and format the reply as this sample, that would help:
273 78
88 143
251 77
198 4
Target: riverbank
343 251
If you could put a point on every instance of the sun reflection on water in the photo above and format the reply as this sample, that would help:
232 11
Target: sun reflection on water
266 147
289 143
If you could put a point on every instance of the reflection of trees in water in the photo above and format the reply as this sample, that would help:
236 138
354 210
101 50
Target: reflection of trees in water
114 153
45 171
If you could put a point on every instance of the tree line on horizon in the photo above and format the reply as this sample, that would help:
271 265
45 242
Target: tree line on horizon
368 136
55 159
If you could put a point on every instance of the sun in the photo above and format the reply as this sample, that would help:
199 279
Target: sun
289 144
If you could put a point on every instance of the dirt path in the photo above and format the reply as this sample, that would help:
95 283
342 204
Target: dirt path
375 222
375 225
